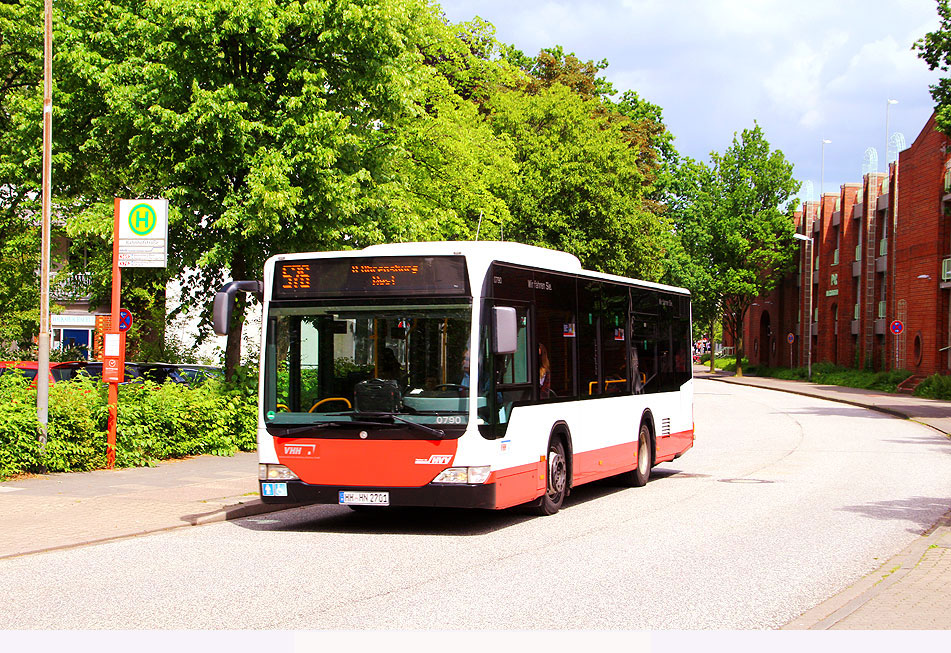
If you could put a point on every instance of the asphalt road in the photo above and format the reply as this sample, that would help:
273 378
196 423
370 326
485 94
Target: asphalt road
783 502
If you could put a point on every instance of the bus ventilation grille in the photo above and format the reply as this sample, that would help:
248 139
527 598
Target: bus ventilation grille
665 426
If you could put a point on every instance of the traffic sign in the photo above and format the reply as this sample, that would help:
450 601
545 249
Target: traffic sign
142 233
790 338
897 327
125 319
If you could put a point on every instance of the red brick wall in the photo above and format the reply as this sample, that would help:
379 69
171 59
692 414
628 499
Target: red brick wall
922 241
917 226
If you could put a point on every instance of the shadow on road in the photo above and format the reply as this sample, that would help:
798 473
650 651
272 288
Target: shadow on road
920 510
452 522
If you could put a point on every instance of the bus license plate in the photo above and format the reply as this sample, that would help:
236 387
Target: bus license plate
364 498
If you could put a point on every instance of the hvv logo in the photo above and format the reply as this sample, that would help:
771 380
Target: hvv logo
435 460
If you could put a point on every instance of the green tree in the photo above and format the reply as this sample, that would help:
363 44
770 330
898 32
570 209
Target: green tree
21 74
935 49
750 227
268 125
451 170
579 188
692 203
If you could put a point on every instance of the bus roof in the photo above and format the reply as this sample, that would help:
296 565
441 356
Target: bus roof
484 252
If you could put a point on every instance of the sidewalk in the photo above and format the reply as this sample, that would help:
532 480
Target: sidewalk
912 590
56 511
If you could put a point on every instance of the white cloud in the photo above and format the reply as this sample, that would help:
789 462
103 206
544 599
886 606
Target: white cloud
805 70
794 84
883 63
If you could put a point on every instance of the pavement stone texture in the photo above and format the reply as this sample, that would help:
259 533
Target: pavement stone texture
42 513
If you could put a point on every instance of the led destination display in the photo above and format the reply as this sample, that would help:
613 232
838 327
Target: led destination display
358 277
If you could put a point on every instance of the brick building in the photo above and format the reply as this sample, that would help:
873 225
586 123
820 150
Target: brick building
882 252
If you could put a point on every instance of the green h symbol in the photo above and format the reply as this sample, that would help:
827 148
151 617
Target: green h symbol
142 219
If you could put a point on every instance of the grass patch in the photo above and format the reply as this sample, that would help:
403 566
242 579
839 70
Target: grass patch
829 374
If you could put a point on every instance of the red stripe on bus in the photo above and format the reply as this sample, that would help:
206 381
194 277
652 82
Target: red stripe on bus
517 485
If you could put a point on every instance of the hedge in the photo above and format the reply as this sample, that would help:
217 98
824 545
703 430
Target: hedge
155 422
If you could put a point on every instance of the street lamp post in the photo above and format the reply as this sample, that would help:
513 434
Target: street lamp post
888 103
43 340
822 171
808 239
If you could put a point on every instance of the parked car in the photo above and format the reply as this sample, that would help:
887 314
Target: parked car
134 372
195 374
94 370
29 369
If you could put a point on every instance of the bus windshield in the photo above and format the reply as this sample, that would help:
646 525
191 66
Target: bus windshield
333 364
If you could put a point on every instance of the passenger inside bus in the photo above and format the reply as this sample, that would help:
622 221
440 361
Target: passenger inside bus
390 367
544 372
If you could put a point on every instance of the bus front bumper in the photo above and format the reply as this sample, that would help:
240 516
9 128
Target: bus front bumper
443 495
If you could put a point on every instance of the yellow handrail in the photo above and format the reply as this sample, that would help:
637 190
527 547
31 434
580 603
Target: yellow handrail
322 401
606 384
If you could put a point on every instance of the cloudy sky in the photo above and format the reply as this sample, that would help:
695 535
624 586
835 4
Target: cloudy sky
806 70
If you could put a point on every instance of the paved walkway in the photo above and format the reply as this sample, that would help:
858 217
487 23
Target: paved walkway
42 513
54 511
912 590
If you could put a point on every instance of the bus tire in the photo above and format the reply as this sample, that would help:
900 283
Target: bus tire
639 476
556 480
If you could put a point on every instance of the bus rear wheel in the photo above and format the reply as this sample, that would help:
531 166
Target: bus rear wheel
639 476
557 480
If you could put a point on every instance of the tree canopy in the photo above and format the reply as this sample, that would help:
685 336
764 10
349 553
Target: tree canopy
935 49
735 229
281 125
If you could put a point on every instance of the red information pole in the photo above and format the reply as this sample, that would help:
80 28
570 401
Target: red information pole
113 363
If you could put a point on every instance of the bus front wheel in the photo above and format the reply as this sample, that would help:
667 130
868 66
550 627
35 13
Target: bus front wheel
557 480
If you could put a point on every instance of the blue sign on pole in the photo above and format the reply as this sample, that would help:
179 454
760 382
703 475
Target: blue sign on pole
897 327
125 319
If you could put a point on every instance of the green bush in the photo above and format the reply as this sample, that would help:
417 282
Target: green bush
937 386
728 363
19 450
830 374
155 422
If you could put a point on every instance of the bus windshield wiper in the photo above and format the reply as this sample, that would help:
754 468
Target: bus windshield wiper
437 432
416 425
288 431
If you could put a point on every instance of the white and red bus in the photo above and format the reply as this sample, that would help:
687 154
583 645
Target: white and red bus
465 374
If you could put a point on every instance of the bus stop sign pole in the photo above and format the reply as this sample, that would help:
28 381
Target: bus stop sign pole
114 347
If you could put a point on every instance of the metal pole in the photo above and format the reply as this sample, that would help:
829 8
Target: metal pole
888 104
812 243
43 341
113 420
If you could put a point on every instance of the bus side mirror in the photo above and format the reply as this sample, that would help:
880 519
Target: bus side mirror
224 303
505 330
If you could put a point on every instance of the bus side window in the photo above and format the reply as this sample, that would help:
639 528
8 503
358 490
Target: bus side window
589 355
614 328
510 376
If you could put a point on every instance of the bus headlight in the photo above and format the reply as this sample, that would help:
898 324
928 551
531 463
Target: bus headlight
473 475
268 472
